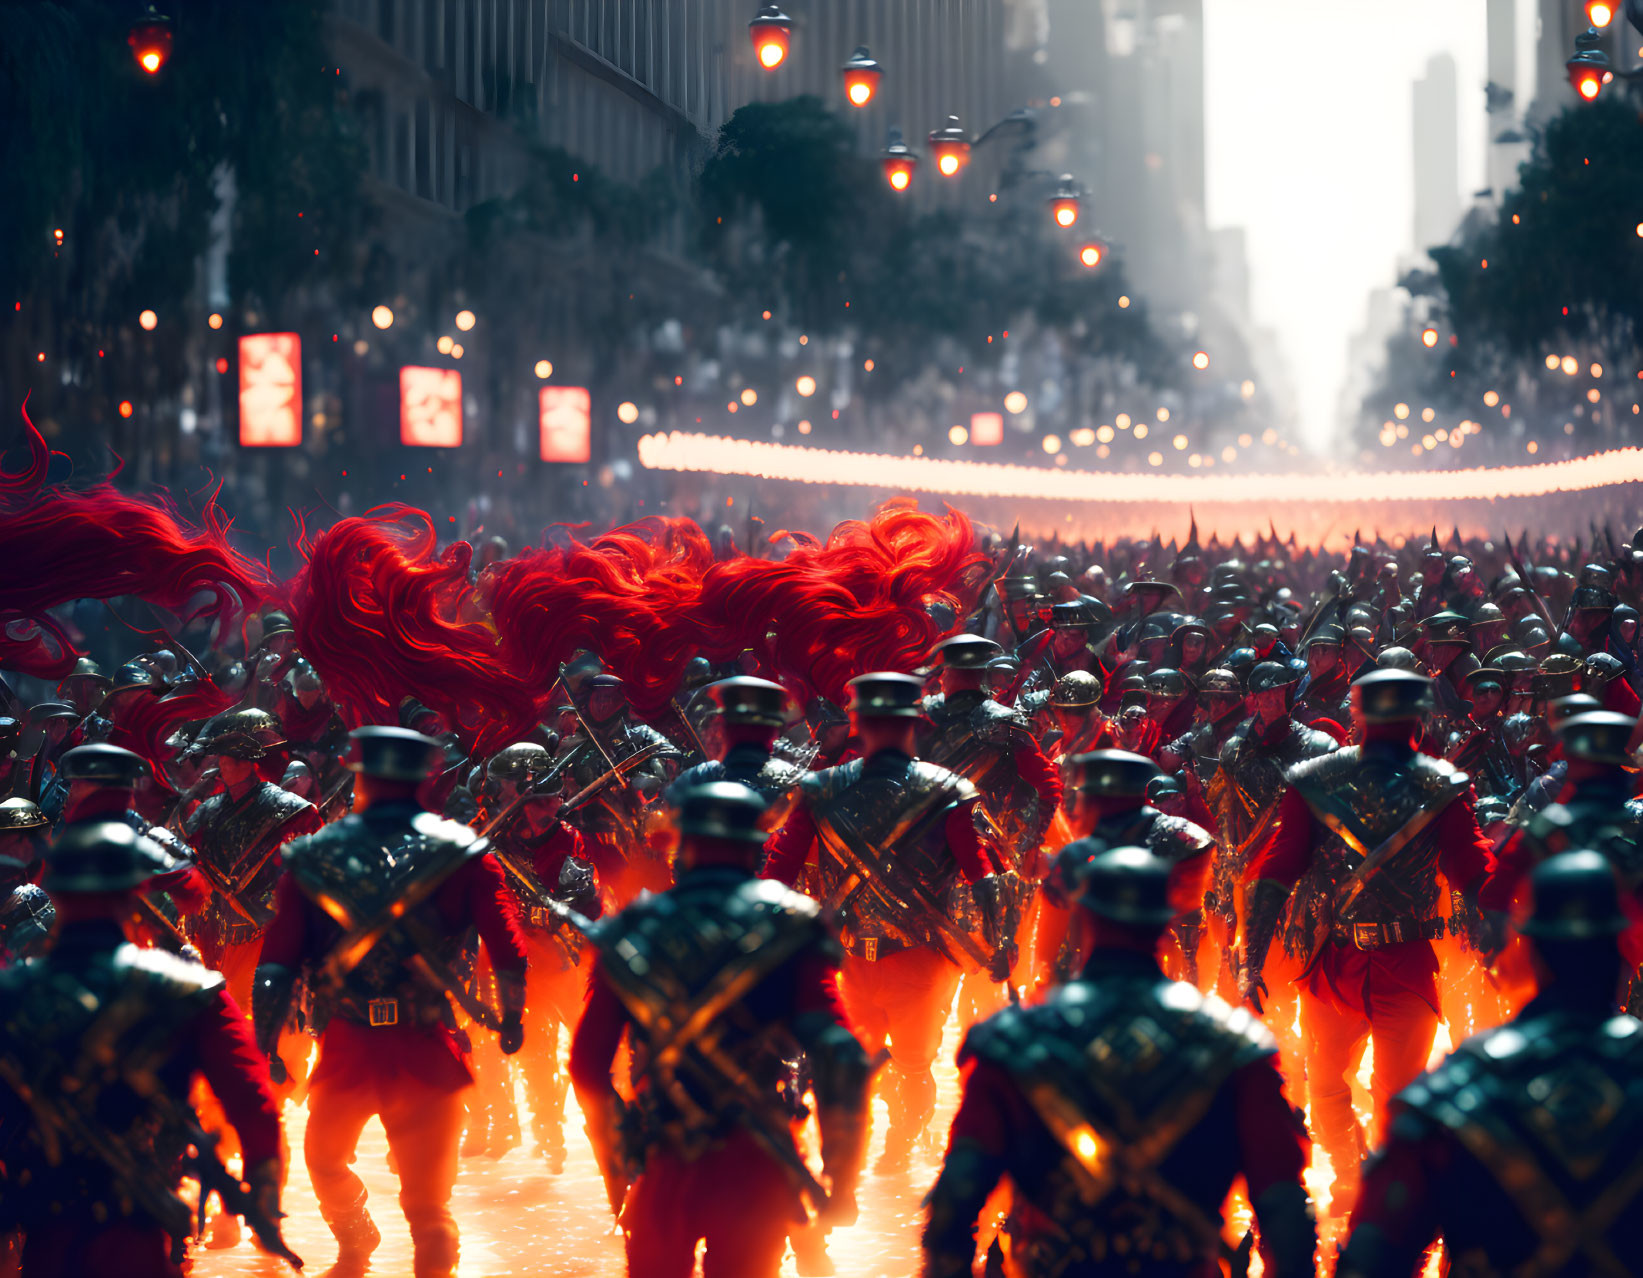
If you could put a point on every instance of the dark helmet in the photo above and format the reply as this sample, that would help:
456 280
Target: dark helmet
1391 696
744 699
393 754
1074 614
1116 773
1397 658
1076 690
1602 669
245 733
1486 613
722 810
522 761
1158 626
275 623
819 712
85 670
1558 676
1599 736
1166 682
1592 598
1242 662
1264 632
1220 682
102 763
1576 898
1328 634
1129 886
48 710
1564 708
698 673
886 694
100 856
132 676
1272 674
1162 787
965 652
1445 629
20 814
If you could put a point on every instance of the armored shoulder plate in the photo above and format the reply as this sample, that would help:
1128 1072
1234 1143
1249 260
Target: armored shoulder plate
26 919
1346 769
1304 743
819 787
1178 839
1551 1109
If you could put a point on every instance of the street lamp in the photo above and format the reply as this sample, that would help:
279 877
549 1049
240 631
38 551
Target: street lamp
950 147
1090 255
1589 68
1600 13
771 30
1064 203
861 77
899 162
150 40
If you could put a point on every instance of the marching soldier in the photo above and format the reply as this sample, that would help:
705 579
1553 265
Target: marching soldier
236 835
1521 1149
26 911
99 1044
1108 809
1122 1109
615 823
373 912
1075 722
992 747
544 856
1365 832
752 712
1221 701
718 983
894 836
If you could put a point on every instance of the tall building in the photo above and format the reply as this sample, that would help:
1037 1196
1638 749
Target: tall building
1436 149
1506 145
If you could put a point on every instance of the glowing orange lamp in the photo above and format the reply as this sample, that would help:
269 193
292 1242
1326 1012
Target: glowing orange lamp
861 77
950 147
150 40
771 30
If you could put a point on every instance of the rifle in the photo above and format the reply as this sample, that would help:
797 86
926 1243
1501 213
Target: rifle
576 800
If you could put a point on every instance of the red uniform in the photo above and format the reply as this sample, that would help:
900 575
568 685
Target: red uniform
409 1073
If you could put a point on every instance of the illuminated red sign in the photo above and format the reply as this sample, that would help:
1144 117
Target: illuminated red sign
270 390
566 418
986 428
430 407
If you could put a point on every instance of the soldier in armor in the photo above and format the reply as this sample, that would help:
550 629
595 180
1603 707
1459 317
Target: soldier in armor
992 747
894 836
1521 1149
1076 723
751 713
100 1042
83 686
1170 702
717 984
56 720
1446 651
102 782
1594 809
26 911
236 835
1244 796
1363 835
1107 808
544 857
374 911
829 732
1122 1109
617 822
1197 751
1323 703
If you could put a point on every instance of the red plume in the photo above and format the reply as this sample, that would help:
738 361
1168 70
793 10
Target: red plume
383 616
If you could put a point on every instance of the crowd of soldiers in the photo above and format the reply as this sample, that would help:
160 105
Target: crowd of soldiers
1176 838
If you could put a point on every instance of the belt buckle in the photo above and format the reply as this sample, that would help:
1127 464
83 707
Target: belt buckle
870 948
1366 936
539 916
383 1012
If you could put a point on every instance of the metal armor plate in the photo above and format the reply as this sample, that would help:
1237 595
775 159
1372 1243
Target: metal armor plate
96 1030
1132 1063
366 864
1550 1111
673 951
26 919
235 840
1374 796
975 736
891 815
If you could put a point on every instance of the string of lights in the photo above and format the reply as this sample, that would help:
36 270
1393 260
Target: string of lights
683 451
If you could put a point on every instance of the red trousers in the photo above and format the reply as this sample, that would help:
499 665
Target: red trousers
424 1126
1401 1026
82 1249
736 1197
903 998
